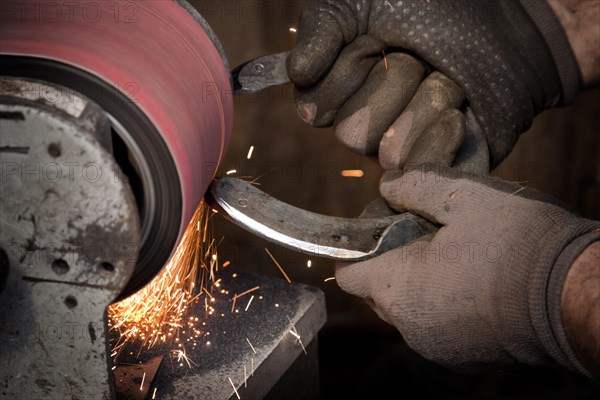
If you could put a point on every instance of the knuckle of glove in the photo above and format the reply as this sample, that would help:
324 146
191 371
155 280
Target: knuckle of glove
368 113
324 27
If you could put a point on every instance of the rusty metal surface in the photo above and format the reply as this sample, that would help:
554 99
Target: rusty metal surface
223 350
69 228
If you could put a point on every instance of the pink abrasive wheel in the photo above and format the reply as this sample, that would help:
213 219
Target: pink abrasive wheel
159 72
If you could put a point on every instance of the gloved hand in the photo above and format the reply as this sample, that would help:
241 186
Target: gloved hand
485 288
510 58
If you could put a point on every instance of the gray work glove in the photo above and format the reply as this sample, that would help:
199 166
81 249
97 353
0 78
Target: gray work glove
510 58
485 288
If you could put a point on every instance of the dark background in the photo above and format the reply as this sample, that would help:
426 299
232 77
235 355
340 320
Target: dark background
360 355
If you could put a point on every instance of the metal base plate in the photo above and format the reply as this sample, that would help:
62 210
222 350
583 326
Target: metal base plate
256 337
54 214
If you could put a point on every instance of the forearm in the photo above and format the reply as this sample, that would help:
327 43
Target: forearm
580 304
579 18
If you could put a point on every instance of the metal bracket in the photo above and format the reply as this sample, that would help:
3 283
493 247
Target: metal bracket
70 233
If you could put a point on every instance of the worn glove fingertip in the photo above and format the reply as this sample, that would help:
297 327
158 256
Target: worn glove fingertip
313 56
353 132
306 111
304 68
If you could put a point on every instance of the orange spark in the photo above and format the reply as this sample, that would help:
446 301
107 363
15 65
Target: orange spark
278 266
233 305
352 173
157 313
247 291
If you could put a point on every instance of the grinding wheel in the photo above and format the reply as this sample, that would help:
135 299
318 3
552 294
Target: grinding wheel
158 71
